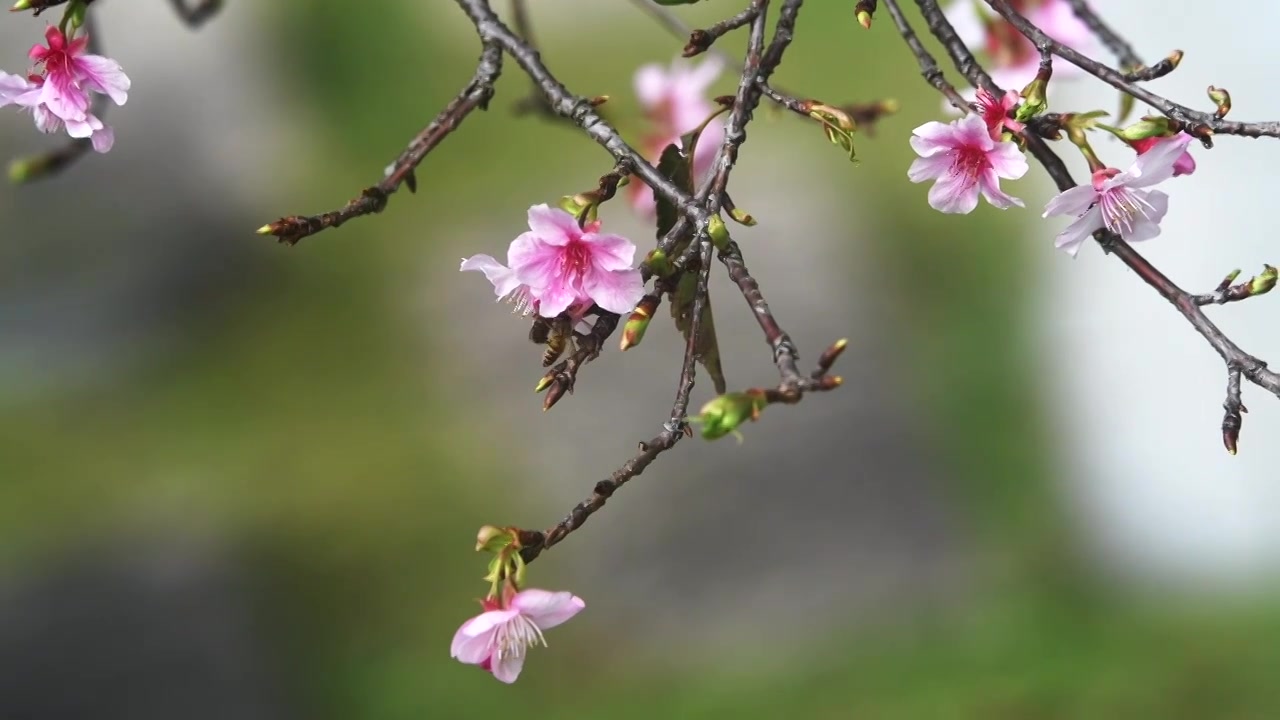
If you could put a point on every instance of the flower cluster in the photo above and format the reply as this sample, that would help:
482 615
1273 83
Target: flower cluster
1012 60
57 90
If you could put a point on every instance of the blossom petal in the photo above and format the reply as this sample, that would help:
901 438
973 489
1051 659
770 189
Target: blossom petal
932 138
472 643
508 668
1146 227
103 139
1072 201
610 252
534 262
46 122
553 225
503 279
971 130
989 183
1070 239
965 20
617 291
1156 165
545 608
651 85
13 87
1007 161
554 298
929 168
953 194
703 75
1184 165
105 76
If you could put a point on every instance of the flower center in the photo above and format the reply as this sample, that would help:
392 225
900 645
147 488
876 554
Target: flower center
968 162
515 637
574 261
1121 208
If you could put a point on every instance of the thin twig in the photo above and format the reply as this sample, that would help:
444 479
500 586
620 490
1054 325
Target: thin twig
1118 46
928 65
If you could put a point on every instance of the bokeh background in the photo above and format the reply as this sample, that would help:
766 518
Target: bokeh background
241 480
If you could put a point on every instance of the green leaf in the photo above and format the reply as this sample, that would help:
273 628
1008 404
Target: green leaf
707 348
674 166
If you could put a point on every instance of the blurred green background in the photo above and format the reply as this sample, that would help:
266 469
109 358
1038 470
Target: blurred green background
306 414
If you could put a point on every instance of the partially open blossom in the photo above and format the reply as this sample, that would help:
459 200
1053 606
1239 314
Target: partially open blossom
1119 201
559 266
1184 165
964 161
61 95
675 101
995 112
498 638
1012 59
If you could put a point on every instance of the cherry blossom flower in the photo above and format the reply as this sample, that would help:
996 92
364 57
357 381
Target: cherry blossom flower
995 112
559 266
1012 59
1119 201
675 101
498 638
60 97
1184 165
964 161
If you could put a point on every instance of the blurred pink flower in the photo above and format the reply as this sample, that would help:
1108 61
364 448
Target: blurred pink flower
559 266
61 95
675 101
498 638
1119 201
1012 59
1184 165
964 161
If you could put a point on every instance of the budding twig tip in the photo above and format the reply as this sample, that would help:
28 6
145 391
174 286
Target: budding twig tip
267 229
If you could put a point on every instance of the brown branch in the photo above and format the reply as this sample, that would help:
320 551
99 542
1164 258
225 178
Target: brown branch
701 40
373 199
928 65
1118 46
1200 124
1235 359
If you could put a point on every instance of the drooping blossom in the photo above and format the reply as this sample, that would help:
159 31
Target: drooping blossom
1184 165
995 112
1012 59
675 101
964 161
559 266
1119 201
61 95
498 638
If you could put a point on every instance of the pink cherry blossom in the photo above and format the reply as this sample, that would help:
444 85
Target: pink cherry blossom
498 638
1012 59
675 100
964 161
60 97
559 266
995 112
1119 201
1184 165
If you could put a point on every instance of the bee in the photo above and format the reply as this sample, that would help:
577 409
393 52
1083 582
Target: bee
541 330
559 332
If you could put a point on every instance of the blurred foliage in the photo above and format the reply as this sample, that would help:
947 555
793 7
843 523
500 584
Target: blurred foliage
303 419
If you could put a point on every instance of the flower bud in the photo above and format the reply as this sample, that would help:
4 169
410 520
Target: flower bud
1035 96
742 217
545 382
1265 282
658 263
1150 126
636 325
493 539
863 11
1222 99
718 232
20 6
723 414
555 391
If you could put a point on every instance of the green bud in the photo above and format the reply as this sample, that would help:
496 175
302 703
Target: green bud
657 262
742 217
1222 99
493 539
718 232
76 13
723 414
20 6
638 323
575 205
1150 126
1262 284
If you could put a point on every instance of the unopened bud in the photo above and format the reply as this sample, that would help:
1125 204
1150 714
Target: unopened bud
718 231
20 6
78 10
555 391
633 331
831 354
723 414
1265 282
1035 96
545 381
493 539
1150 126
1222 99
658 263
576 205
863 11
742 217
837 125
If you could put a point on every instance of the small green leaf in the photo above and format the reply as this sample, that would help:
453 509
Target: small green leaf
707 348
674 166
